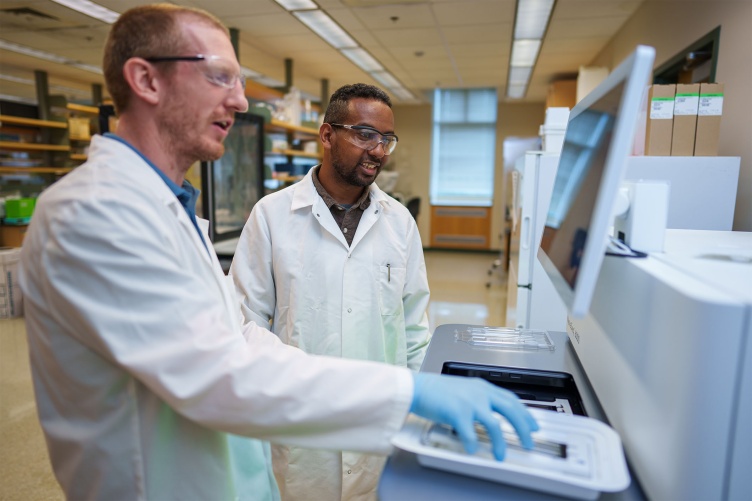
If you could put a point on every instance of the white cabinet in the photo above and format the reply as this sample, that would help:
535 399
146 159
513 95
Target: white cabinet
532 302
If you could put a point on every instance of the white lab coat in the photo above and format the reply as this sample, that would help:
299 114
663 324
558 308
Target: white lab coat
143 378
367 301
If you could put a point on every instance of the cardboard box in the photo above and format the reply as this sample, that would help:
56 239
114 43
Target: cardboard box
11 299
686 103
709 114
79 128
562 93
12 236
638 144
660 120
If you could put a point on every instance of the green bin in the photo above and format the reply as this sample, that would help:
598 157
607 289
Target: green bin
19 208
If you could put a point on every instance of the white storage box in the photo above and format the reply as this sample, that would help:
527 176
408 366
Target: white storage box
11 299
557 117
552 138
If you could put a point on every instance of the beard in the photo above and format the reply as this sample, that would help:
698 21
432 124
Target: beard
351 174
184 139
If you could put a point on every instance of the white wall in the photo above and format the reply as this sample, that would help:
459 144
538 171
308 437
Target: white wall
672 25
412 159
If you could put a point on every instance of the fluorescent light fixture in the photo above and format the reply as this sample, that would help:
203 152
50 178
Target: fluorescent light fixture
248 73
11 78
86 67
91 9
532 18
269 82
319 22
325 27
16 99
402 93
297 4
29 81
525 52
28 51
516 91
386 79
362 59
520 75
530 24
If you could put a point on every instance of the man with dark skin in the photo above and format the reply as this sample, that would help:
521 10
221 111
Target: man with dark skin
335 266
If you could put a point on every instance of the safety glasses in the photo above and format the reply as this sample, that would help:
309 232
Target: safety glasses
217 70
368 138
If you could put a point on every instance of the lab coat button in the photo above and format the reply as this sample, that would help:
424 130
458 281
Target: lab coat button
376 212
349 472
349 310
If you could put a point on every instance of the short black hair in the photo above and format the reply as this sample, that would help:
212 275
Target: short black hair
336 111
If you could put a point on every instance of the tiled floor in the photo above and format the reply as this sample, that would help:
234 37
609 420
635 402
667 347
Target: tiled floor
25 472
458 295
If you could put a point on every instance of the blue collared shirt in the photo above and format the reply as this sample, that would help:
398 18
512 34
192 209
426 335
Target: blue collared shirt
187 194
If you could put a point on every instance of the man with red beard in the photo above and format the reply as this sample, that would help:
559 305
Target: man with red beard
147 385
334 266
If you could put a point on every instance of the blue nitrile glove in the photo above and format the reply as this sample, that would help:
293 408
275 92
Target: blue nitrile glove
460 401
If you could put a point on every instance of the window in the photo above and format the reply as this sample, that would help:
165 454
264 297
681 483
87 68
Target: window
464 147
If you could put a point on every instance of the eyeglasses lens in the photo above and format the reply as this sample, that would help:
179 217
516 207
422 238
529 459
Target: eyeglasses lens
370 139
220 72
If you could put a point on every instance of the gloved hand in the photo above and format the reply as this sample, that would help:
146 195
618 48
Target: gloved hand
461 401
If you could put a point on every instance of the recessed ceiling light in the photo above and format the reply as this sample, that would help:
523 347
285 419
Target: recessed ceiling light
530 25
520 75
524 52
532 18
362 59
516 91
297 4
325 27
402 93
386 79
17 99
91 9
47 56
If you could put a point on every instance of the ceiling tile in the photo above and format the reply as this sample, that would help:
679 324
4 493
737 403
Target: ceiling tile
463 42
468 13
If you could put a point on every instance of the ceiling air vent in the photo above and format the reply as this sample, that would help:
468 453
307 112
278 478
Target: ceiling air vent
27 18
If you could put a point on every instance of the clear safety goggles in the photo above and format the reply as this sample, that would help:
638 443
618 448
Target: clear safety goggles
217 70
368 138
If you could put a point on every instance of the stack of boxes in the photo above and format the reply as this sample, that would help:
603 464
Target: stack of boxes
683 120
16 214
19 210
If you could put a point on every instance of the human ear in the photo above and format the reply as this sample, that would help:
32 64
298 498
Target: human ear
143 79
325 134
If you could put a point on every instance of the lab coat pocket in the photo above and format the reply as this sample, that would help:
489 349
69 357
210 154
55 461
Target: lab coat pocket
391 285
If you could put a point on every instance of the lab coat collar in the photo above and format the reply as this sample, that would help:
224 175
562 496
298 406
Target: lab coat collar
139 172
305 195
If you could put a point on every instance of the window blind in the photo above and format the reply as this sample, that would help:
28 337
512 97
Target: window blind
464 147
